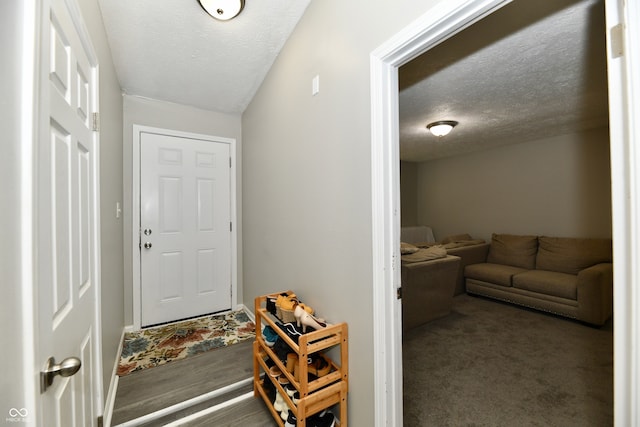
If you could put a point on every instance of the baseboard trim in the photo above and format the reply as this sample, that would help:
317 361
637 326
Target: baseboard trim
113 385
194 401
210 410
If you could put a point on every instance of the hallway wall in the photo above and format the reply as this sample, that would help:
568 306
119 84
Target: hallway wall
307 174
111 269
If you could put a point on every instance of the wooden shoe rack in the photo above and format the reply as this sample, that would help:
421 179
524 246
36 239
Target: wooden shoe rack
315 395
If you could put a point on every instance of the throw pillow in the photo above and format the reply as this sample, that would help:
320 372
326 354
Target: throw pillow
408 248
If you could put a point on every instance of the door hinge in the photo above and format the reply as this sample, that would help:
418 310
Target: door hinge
231 226
399 293
617 41
229 161
95 122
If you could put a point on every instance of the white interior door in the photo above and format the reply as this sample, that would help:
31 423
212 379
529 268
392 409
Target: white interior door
67 218
185 234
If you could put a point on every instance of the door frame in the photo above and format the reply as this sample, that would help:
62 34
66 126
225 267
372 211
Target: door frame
439 23
135 212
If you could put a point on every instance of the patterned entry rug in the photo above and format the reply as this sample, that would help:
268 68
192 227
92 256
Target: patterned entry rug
156 346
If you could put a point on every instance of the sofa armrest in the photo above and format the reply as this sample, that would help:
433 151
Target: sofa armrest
474 254
595 293
427 290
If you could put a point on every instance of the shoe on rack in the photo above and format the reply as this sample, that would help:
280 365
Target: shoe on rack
269 335
271 304
319 366
279 404
275 372
306 319
292 421
306 308
284 414
286 302
269 389
283 381
323 419
292 361
290 389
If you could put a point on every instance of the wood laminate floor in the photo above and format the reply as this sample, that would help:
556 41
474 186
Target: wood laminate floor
154 389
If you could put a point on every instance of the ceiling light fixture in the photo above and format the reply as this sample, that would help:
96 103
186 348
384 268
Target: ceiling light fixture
222 9
442 127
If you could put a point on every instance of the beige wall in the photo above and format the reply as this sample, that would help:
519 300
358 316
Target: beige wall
307 174
110 191
559 186
166 115
408 194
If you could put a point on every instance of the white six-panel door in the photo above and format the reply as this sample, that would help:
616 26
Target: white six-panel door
185 219
67 220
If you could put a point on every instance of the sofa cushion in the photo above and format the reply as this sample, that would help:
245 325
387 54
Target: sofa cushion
548 282
570 255
516 251
493 273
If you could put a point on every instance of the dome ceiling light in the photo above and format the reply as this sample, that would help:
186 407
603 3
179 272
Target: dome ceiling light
442 127
222 10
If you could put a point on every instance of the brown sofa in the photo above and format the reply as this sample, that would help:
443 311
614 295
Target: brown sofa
469 250
572 277
427 289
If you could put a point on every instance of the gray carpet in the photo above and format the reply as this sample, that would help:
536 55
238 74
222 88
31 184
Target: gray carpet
494 364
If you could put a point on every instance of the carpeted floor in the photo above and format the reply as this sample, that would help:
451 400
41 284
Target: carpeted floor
156 346
494 364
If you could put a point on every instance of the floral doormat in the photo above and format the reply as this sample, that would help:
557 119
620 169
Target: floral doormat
156 346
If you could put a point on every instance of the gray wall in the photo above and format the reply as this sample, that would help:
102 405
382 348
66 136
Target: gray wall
307 174
166 115
558 186
13 391
112 273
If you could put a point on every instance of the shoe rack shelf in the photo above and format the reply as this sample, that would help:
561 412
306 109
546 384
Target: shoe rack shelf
316 395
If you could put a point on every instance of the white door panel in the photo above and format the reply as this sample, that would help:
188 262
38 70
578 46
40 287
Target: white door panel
67 239
185 205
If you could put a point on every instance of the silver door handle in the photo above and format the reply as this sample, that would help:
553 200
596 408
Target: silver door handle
147 245
147 231
66 368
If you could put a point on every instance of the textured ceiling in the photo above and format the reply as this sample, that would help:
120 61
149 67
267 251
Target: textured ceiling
531 70
172 50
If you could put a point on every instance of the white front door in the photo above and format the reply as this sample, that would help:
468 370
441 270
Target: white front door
185 220
67 254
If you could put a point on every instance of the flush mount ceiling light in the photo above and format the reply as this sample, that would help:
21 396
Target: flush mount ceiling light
442 127
222 9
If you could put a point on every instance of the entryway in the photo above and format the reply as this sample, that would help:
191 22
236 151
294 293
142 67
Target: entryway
184 235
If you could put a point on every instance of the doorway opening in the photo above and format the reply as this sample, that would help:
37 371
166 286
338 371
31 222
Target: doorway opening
442 22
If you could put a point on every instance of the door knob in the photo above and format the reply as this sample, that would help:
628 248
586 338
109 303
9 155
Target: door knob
147 231
66 368
147 245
